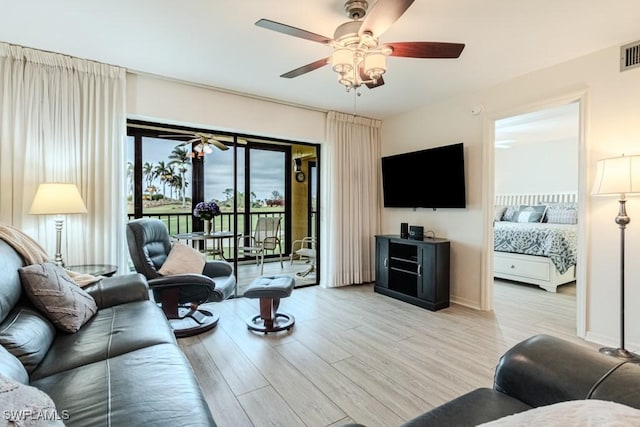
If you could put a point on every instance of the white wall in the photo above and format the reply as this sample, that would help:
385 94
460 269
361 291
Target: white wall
151 98
544 167
612 128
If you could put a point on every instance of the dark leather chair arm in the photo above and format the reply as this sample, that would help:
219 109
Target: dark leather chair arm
181 280
621 386
476 407
117 290
543 370
217 268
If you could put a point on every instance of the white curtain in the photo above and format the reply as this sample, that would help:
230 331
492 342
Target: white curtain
63 120
350 204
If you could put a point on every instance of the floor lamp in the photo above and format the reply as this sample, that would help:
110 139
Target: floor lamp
57 199
619 176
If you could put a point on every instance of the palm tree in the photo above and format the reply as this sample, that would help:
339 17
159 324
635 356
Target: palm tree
163 172
176 181
180 157
147 171
130 176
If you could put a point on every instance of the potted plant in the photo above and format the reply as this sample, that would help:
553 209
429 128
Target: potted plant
207 211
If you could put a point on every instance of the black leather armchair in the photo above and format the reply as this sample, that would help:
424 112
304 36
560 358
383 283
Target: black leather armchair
180 295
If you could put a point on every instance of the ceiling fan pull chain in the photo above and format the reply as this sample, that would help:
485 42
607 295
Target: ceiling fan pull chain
355 98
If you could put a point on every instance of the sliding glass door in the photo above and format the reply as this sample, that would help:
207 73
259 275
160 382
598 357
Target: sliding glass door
253 181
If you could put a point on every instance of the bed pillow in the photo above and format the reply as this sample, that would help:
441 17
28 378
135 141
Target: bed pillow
562 213
530 213
183 259
498 212
58 297
590 412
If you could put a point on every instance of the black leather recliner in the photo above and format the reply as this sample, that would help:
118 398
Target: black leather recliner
180 295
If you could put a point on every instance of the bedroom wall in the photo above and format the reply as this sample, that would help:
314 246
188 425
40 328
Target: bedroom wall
544 167
612 116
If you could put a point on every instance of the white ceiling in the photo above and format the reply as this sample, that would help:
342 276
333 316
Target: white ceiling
215 42
554 124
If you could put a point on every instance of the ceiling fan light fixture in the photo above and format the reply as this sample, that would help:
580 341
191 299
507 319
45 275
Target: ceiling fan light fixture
375 64
345 80
342 60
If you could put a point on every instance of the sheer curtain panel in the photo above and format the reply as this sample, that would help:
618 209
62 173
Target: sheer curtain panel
62 119
351 200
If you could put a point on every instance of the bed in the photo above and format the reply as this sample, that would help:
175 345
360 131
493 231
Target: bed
535 238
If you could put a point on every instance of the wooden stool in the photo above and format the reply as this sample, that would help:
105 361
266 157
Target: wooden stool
270 290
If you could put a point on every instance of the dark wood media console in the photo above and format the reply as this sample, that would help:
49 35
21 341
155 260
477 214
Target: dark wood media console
414 271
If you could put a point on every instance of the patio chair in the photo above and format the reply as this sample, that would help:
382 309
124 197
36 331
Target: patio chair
265 238
307 252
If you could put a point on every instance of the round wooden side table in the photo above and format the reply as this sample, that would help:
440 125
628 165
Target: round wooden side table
106 270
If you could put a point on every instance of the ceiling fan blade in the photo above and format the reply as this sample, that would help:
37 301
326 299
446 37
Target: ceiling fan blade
306 68
292 31
218 144
382 15
174 136
426 49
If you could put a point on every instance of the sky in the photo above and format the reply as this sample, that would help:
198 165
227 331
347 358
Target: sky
267 168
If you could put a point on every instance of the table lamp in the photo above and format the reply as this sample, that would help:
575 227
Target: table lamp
57 199
619 176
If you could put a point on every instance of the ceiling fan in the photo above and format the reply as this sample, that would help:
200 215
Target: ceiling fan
358 55
204 146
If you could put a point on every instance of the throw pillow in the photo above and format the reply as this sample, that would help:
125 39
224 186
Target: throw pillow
183 259
23 405
510 213
53 293
530 213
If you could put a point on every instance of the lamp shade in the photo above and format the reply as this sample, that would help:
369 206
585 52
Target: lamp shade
55 198
617 176
375 64
342 60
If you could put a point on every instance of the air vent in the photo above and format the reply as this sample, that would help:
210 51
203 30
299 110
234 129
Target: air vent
630 56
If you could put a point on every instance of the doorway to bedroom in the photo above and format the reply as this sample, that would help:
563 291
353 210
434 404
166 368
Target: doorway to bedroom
535 228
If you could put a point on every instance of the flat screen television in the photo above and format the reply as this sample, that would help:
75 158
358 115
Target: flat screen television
431 178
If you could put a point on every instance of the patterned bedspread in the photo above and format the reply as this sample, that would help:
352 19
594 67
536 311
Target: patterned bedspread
555 241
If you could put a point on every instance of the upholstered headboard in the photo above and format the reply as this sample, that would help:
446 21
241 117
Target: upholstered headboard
534 199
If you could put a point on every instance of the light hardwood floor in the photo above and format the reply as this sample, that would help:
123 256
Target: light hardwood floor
357 356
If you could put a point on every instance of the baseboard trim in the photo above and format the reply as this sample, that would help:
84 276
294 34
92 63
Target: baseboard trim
465 302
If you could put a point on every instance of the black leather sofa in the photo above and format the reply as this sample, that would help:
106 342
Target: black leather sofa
539 371
122 368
